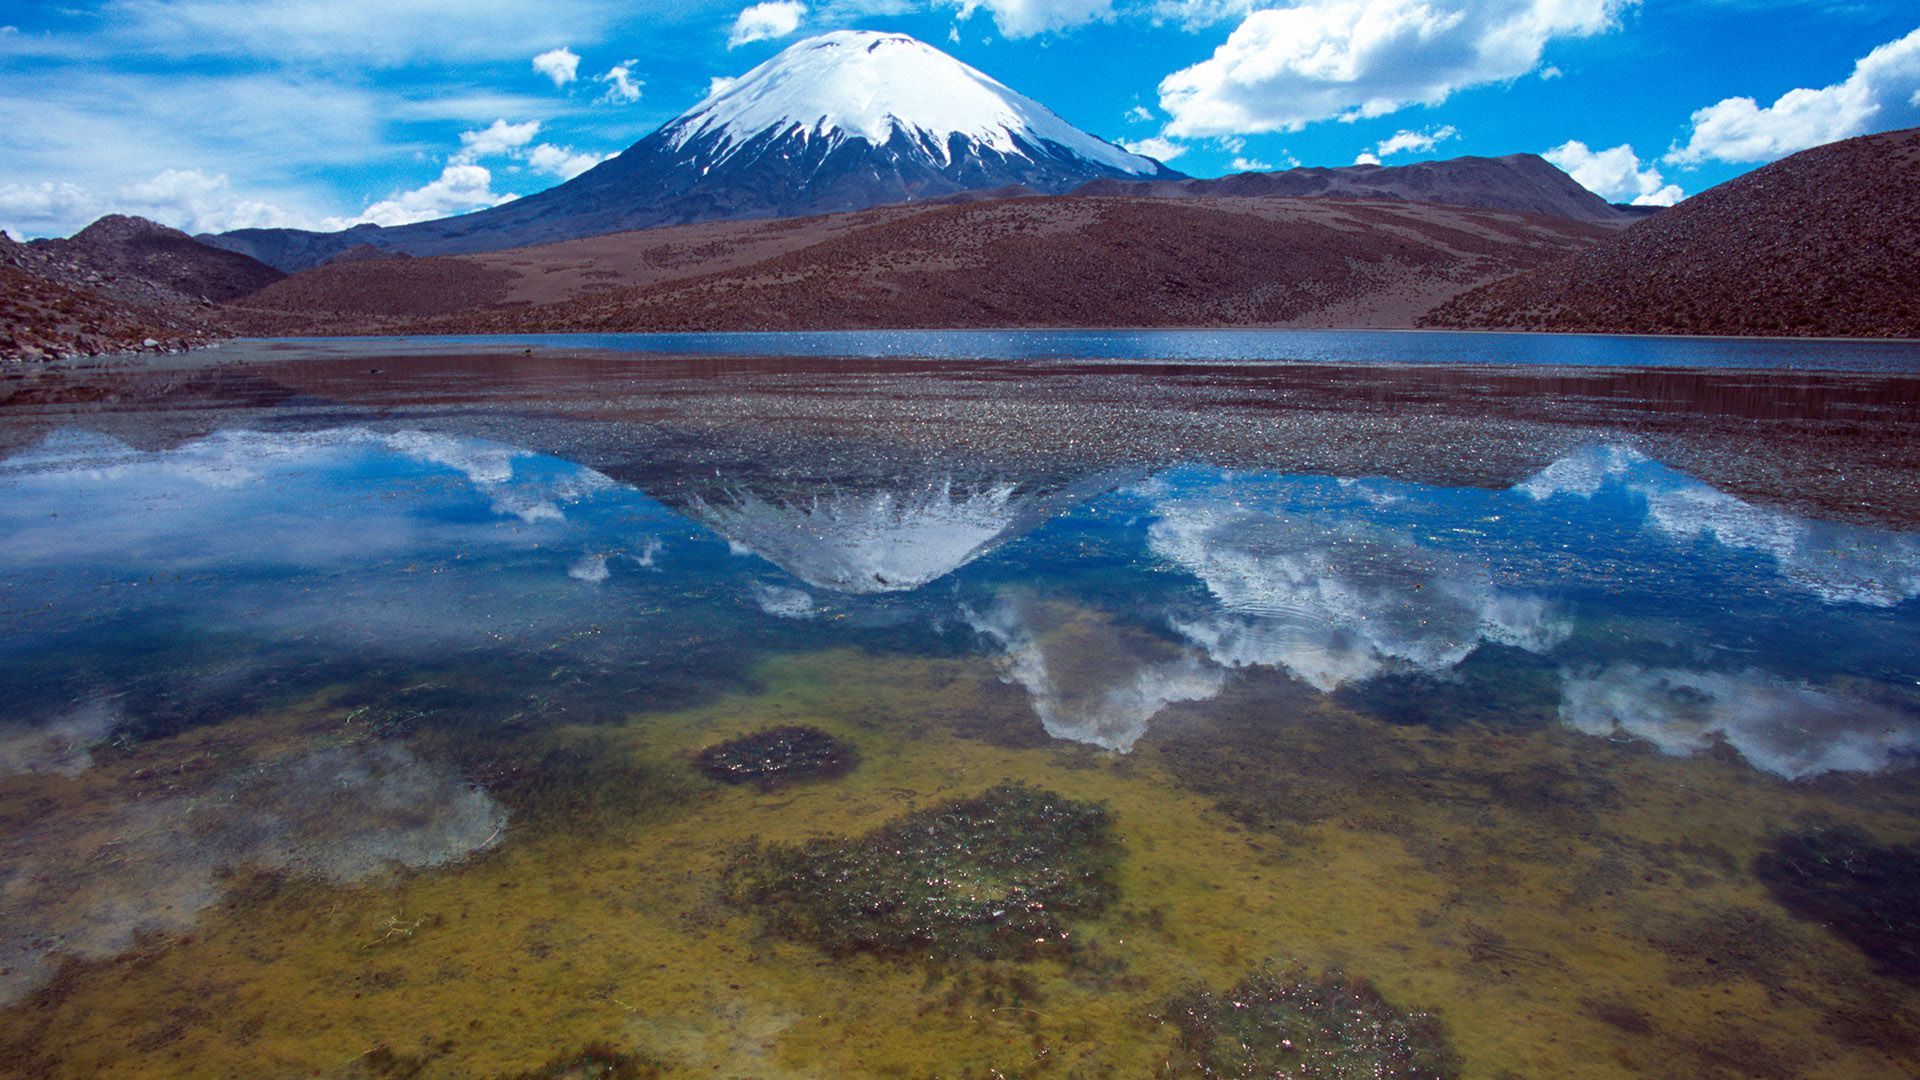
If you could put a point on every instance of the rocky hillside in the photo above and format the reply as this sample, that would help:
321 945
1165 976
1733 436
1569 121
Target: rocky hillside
1526 183
1061 261
122 283
1823 243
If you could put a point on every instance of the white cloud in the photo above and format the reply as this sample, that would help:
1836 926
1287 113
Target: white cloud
1285 68
1615 175
561 161
1366 157
622 87
1415 142
720 84
1550 73
1025 18
1882 93
359 33
1244 164
1139 114
186 199
498 138
562 65
1157 148
766 22
459 189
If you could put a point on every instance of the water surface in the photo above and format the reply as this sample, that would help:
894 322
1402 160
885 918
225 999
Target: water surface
354 739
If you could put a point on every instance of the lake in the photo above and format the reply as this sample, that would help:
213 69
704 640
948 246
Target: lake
1018 705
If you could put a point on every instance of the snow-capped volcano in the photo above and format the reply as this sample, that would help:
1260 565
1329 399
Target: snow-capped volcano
893 90
839 122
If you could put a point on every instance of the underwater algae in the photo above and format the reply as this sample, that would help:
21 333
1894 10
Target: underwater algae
777 756
565 936
1281 1022
1865 892
994 875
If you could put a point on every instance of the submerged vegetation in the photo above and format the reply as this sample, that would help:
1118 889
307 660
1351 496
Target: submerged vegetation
996 875
1281 1022
1865 892
778 756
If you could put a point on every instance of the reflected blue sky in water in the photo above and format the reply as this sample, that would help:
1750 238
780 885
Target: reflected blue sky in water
1671 613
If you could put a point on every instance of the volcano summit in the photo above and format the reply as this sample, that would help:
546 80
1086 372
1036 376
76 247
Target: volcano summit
838 122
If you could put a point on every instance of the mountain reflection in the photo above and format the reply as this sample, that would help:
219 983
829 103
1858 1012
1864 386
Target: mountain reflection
889 536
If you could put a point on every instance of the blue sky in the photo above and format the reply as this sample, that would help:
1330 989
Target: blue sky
215 114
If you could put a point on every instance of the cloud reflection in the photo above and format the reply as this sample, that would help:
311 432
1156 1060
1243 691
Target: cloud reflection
1091 680
88 882
1838 563
1332 599
1786 728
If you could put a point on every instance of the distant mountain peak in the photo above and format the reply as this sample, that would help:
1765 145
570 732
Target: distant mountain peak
875 86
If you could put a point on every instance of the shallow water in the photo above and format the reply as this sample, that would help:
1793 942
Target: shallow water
1223 345
370 745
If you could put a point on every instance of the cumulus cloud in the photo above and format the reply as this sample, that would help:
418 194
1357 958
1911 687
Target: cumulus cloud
186 199
1025 18
459 189
1415 142
1090 679
1366 157
1616 175
1246 164
1882 93
1139 114
1285 68
561 161
1160 149
766 22
1781 727
720 84
562 65
622 87
498 138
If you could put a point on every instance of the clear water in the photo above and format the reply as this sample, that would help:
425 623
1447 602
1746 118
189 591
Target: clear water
1176 346
370 748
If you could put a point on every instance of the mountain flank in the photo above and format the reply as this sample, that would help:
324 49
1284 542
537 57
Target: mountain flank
1823 243
1034 261
1526 183
840 122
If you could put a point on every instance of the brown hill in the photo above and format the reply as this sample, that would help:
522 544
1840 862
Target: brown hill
1823 243
1526 183
115 285
146 263
1077 261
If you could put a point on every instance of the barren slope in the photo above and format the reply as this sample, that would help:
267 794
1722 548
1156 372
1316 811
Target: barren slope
1018 262
1823 243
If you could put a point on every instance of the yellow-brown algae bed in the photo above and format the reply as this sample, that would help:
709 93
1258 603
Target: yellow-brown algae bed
1566 905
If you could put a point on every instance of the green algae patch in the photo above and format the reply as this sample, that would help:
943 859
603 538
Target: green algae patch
778 756
997 875
1865 892
1281 1022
